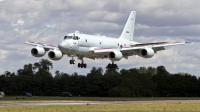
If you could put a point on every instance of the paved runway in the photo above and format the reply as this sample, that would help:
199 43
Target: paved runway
45 103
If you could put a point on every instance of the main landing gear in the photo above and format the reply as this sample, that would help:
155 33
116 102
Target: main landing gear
82 64
114 66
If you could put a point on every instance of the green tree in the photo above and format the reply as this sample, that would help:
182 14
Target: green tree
94 81
161 79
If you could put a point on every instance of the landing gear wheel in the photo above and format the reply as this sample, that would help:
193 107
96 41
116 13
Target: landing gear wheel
70 61
84 65
79 65
73 61
109 65
114 66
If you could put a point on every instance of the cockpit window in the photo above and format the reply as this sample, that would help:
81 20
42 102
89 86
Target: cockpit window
68 37
71 37
75 37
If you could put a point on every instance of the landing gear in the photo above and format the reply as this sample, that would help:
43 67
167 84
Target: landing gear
72 61
82 65
114 66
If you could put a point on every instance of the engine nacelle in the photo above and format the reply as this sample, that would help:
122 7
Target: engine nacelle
55 54
147 52
38 51
115 55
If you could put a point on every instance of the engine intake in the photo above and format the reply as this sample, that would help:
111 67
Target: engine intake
147 52
55 54
38 51
115 55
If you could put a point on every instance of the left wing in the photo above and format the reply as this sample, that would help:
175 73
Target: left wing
156 46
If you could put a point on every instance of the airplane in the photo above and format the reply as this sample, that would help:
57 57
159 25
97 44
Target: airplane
100 47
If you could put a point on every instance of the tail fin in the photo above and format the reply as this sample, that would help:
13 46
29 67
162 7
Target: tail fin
128 31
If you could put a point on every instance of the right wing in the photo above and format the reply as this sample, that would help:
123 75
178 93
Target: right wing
45 46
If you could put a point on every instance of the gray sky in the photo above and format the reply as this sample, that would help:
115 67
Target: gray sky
47 21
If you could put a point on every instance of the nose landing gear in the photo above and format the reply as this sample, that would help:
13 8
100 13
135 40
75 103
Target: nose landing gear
72 61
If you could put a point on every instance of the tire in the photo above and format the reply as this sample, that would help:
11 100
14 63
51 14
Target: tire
85 65
73 61
79 65
70 61
109 65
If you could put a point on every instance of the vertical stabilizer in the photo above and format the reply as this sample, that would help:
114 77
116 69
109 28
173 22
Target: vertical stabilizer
128 31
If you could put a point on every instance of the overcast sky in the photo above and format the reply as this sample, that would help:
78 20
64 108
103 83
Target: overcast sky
48 21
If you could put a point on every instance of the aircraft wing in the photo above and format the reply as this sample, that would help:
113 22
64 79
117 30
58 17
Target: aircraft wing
46 46
156 46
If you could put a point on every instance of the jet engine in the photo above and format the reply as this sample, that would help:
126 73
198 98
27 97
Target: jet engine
38 51
147 52
55 54
115 55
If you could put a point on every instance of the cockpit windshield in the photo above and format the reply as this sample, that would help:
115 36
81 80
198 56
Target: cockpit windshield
71 37
68 37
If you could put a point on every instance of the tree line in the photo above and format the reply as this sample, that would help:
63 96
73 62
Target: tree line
134 82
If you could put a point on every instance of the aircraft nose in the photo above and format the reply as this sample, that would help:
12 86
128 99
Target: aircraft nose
64 45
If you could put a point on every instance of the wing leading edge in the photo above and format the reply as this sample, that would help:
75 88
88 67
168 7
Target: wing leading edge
46 46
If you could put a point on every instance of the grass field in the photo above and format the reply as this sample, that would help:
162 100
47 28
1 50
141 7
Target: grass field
175 107
145 107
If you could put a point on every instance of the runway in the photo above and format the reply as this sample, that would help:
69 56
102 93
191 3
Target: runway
46 103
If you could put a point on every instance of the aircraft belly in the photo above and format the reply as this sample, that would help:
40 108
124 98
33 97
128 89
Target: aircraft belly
84 50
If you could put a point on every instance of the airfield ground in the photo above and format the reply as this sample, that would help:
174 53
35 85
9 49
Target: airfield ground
99 104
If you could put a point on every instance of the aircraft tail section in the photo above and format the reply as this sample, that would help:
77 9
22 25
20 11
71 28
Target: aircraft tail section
128 31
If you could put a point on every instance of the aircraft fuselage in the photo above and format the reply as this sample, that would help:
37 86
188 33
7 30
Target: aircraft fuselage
83 43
